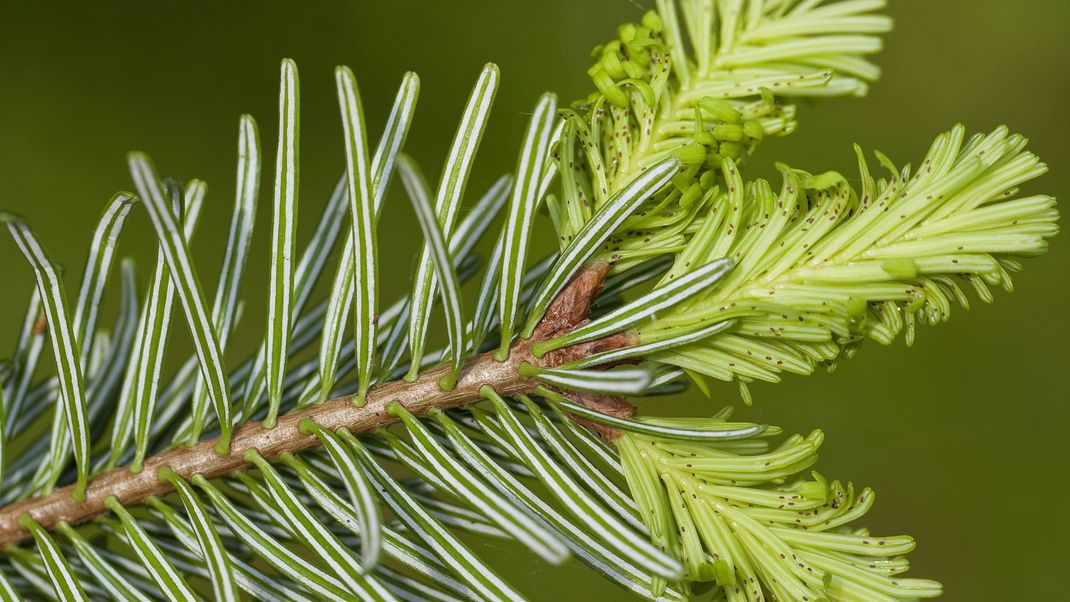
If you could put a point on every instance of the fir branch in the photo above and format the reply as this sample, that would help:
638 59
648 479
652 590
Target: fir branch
726 278
418 396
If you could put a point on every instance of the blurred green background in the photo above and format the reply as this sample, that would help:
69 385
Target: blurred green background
964 437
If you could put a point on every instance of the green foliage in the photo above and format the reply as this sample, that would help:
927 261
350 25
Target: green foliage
707 274
455 172
64 345
284 225
822 267
728 510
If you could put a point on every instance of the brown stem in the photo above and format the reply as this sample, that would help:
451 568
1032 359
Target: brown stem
569 309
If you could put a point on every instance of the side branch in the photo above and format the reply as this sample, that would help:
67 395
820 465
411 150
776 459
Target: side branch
568 310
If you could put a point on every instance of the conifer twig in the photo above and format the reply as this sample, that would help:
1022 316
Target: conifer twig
569 308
